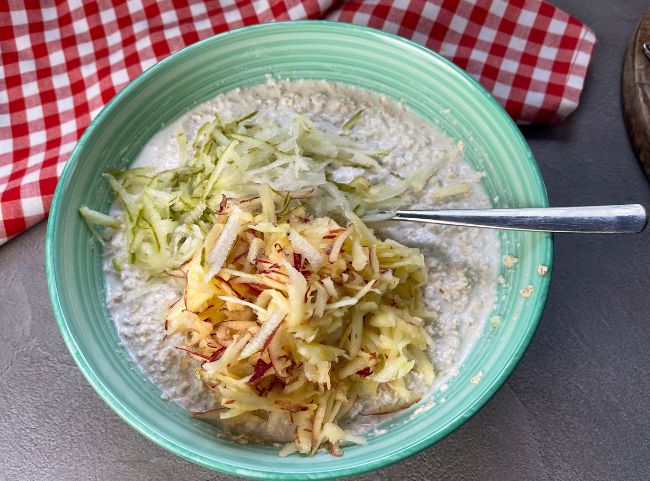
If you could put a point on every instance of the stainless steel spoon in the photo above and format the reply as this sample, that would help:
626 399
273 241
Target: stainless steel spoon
602 219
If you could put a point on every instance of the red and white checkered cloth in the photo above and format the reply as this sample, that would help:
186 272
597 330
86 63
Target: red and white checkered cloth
62 61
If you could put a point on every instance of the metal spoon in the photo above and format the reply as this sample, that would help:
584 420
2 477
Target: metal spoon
602 219
646 49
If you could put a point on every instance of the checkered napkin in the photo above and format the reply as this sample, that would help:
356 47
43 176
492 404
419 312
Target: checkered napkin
62 61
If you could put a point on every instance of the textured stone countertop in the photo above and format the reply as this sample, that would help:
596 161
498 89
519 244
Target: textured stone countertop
576 407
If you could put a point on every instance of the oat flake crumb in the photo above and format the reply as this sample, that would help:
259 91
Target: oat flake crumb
431 403
164 396
495 321
509 260
542 269
526 291
477 377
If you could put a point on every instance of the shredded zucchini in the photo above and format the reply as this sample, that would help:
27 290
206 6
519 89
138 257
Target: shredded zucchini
349 125
169 213
94 217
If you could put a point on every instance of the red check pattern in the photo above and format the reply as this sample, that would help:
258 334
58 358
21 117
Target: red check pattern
61 62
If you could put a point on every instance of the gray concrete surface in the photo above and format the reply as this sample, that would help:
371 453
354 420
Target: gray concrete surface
576 408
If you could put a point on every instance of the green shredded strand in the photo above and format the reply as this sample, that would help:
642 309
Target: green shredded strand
285 204
94 217
218 169
94 232
360 184
121 192
144 171
118 264
153 232
245 117
132 244
352 121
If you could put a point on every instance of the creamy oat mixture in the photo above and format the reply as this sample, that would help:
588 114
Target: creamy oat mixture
461 262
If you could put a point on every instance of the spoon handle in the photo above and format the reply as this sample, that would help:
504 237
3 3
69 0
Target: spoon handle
603 219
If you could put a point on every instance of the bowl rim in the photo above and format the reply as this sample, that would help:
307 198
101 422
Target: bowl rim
167 443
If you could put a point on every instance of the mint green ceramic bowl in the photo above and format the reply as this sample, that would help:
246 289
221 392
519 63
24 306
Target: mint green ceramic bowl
430 86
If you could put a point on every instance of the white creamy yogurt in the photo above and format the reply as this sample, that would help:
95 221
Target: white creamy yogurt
461 262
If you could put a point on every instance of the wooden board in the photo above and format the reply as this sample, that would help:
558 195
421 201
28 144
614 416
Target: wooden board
636 92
